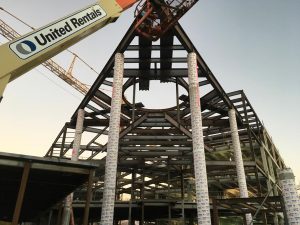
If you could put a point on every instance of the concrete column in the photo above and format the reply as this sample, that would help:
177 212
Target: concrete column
75 153
202 198
78 134
290 195
67 210
113 143
238 159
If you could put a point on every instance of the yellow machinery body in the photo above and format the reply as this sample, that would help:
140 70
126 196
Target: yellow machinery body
21 55
153 19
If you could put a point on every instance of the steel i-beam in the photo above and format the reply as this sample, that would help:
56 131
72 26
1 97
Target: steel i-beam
202 198
107 214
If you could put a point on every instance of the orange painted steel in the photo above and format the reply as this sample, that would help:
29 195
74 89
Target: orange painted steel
125 4
156 17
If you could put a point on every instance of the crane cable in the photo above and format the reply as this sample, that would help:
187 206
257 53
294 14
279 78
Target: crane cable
1 8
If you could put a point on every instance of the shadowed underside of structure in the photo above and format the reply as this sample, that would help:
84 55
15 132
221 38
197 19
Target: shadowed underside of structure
47 182
155 161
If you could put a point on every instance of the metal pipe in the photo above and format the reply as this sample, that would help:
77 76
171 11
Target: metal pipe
238 159
107 214
202 198
290 195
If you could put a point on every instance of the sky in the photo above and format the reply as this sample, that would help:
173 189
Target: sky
250 45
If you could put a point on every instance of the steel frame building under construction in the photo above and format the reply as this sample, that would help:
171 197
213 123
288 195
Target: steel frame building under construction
207 160
155 173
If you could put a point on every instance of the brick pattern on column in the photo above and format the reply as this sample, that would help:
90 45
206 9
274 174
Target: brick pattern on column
238 158
113 143
290 196
75 153
202 197
78 134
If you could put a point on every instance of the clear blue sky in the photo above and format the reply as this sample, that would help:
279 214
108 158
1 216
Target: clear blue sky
250 45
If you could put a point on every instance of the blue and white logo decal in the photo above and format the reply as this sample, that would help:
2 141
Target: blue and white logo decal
26 47
45 37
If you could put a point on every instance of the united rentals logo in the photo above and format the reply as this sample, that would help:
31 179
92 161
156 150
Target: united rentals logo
50 35
26 47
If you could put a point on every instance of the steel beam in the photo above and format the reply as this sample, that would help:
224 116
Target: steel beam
21 193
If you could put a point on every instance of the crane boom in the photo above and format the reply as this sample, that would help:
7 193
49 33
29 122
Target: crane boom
23 54
9 33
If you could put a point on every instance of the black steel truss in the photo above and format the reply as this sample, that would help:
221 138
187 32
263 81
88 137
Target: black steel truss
155 152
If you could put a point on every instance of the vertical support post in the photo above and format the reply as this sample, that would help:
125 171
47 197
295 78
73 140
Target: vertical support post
132 197
75 153
265 166
133 100
245 220
238 159
50 216
182 195
107 214
215 212
142 196
130 212
21 193
59 214
67 210
251 144
290 195
88 198
202 198
275 219
265 219
177 101
169 194
78 134
63 141
285 217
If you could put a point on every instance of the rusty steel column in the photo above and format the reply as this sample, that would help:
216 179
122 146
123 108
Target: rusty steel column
238 158
290 195
108 203
19 203
75 153
202 198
